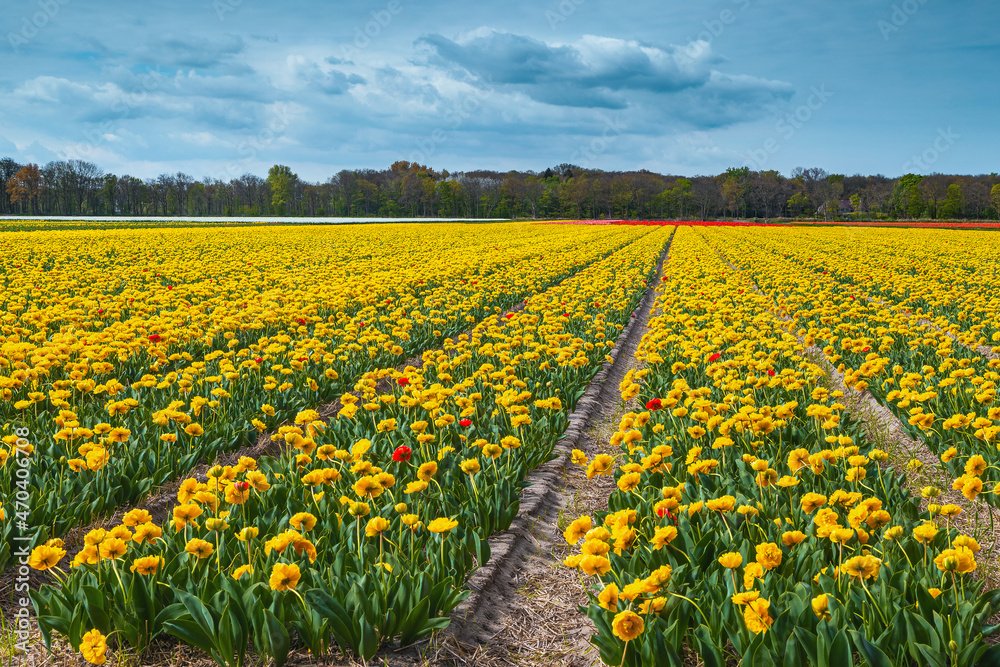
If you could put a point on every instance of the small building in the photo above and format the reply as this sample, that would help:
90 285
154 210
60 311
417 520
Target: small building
844 206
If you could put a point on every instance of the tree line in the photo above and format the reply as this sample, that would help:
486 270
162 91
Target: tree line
407 189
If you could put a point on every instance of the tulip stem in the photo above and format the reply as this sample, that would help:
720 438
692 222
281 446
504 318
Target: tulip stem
680 552
723 517
874 604
840 566
678 595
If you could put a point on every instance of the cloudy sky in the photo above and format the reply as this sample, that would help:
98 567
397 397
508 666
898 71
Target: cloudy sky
223 87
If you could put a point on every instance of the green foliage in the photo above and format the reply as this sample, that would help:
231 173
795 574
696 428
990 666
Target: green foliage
952 206
282 182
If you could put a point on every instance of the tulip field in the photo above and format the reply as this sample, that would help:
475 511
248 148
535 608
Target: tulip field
407 378
453 354
752 517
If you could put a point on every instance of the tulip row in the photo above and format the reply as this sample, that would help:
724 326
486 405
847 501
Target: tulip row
752 520
133 355
901 333
363 530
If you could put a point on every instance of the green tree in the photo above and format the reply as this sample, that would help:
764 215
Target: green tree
622 195
109 191
682 195
512 192
548 203
952 206
915 203
736 190
282 180
197 200
904 192
995 196
798 204
450 195
856 204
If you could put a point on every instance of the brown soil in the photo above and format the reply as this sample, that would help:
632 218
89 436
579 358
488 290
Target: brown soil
528 613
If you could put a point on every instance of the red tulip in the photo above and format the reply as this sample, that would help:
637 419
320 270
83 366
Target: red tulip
402 453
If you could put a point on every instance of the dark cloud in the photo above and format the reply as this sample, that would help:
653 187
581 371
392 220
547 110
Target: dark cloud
725 100
505 58
191 51
612 74
332 82
578 74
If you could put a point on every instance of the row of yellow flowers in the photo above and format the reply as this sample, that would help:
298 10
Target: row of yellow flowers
131 355
752 518
364 529
912 341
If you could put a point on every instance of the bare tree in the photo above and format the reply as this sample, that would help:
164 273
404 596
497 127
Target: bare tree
8 167
706 195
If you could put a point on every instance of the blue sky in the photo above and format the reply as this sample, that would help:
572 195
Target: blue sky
223 87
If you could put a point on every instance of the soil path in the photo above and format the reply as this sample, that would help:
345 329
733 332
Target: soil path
525 606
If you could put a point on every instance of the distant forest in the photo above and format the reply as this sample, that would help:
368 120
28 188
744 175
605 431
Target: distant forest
79 188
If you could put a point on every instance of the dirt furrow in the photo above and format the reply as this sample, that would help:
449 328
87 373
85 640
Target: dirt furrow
525 606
